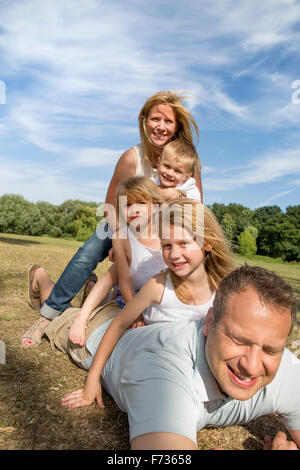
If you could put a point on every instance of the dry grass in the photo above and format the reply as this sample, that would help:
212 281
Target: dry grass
33 381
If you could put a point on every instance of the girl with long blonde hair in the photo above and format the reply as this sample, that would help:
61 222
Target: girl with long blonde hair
197 256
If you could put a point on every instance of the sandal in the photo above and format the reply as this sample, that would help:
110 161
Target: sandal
31 333
91 278
33 294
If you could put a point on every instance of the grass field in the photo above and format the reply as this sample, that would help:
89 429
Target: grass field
33 381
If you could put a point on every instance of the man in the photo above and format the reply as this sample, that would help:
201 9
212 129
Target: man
175 379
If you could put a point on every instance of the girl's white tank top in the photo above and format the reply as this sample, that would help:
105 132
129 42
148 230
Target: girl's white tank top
172 309
145 263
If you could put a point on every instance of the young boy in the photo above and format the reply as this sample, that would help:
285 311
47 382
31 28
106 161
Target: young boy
178 164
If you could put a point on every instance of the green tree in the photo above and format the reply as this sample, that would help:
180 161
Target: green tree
253 231
279 238
31 222
247 243
263 215
20 216
219 211
293 213
12 206
242 216
85 222
51 215
229 227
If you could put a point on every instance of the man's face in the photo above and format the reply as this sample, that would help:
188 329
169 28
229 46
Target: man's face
245 347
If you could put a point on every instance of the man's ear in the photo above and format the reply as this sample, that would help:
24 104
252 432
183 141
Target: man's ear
208 322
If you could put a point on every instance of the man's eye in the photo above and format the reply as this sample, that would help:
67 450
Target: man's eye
237 342
271 351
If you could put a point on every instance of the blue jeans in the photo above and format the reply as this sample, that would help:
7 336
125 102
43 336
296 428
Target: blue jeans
76 273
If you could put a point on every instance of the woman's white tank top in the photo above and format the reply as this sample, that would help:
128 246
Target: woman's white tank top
142 167
172 309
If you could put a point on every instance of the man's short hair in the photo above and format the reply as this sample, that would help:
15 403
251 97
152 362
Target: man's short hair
270 287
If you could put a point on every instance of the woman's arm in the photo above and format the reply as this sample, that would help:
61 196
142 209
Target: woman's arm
151 292
125 168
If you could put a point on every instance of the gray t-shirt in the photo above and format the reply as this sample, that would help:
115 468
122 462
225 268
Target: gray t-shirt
159 376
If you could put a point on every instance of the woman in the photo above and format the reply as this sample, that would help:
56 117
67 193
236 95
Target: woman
163 118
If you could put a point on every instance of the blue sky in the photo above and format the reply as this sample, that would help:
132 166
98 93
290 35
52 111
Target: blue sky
74 75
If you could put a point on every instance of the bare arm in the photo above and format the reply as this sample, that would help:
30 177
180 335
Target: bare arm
163 441
168 193
123 259
125 168
97 294
151 292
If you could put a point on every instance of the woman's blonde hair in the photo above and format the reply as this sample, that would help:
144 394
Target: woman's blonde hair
137 188
196 218
184 120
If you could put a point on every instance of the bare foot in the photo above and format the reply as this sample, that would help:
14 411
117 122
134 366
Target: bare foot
77 331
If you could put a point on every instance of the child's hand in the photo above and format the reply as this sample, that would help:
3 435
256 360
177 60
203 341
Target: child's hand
111 255
138 323
77 331
84 396
168 193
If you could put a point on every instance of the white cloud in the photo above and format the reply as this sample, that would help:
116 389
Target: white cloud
77 74
229 105
208 169
96 157
274 197
265 168
41 183
3 128
263 40
33 122
97 62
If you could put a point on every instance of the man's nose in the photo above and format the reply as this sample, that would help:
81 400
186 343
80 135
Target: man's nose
251 362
